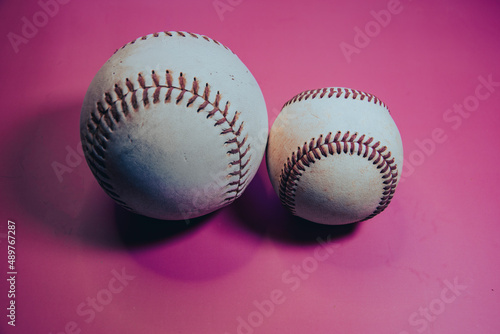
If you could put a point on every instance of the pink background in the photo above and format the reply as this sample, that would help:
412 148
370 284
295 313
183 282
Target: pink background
391 274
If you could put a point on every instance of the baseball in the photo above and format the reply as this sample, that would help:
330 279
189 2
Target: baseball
335 156
170 126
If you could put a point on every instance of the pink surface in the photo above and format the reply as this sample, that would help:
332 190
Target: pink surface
428 264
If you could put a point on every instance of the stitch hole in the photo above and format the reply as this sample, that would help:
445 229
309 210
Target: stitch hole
91 127
141 80
195 88
156 79
118 92
129 85
108 98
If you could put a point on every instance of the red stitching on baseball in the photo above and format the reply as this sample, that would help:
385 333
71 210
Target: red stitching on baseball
345 143
337 93
104 120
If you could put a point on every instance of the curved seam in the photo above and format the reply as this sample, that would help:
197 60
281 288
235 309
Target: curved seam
101 127
172 34
337 93
339 143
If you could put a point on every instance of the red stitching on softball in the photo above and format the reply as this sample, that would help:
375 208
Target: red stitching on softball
175 34
345 143
104 120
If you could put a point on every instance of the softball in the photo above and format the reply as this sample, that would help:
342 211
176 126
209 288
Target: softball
170 126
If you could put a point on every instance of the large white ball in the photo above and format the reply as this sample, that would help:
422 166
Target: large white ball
174 126
335 156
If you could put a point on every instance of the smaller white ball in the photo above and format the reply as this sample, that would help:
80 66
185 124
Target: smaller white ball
335 156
